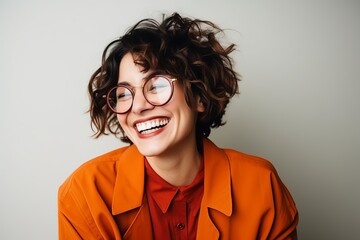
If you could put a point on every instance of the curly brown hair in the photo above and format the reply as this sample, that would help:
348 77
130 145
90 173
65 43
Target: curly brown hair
188 50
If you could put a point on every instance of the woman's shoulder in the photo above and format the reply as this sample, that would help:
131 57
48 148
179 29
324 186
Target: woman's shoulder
98 169
244 160
237 160
102 161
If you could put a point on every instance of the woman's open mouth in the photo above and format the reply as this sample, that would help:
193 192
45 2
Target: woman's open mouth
151 125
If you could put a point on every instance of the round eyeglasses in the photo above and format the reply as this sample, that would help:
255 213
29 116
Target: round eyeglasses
157 91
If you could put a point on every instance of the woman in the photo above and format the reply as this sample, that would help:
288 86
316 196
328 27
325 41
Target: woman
162 87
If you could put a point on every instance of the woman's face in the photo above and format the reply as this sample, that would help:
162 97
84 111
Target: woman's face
172 125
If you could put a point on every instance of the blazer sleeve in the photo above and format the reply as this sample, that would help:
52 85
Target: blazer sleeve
72 220
285 217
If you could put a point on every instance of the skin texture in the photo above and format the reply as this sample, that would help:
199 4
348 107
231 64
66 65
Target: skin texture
171 150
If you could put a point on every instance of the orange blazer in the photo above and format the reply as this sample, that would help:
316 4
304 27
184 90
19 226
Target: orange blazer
244 198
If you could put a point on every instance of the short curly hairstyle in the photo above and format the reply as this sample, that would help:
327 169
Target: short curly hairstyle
187 49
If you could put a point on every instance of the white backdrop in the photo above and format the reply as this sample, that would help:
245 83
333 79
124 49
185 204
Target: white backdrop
298 107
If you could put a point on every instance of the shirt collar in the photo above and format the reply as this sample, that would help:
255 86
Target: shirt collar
164 193
160 190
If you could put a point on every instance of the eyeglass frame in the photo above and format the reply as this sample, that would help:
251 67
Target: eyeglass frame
132 88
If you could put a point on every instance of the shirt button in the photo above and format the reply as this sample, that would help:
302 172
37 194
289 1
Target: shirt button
180 226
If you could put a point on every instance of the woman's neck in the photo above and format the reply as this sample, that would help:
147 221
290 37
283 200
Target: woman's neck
178 168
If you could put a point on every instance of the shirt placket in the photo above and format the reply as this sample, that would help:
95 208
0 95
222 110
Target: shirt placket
179 220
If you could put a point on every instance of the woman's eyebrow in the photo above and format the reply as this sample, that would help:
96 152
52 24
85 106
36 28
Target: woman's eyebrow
124 83
150 74
145 78
155 73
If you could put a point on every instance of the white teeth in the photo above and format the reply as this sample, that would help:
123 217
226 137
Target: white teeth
150 125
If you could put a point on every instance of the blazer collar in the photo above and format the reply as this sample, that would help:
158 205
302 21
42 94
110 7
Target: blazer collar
217 182
129 183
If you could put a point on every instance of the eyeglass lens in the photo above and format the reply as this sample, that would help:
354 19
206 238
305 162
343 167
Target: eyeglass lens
156 90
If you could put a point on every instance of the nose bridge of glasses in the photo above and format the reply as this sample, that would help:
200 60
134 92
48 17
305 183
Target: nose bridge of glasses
138 96
140 91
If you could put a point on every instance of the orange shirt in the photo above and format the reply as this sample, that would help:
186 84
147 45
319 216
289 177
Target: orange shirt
243 198
174 210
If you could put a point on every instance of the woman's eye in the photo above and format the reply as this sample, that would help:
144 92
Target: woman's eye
157 87
120 96
124 95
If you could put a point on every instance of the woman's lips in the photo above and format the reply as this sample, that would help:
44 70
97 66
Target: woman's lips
152 125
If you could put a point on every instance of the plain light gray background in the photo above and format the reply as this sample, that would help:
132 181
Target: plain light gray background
298 107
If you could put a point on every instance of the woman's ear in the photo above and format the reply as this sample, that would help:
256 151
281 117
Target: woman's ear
199 105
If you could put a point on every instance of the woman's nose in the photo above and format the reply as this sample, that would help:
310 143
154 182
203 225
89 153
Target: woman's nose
139 102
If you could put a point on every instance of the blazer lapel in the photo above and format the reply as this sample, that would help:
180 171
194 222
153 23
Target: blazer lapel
206 228
141 227
217 190
129 205
129 185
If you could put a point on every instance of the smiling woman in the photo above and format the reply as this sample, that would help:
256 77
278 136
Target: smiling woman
162 87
